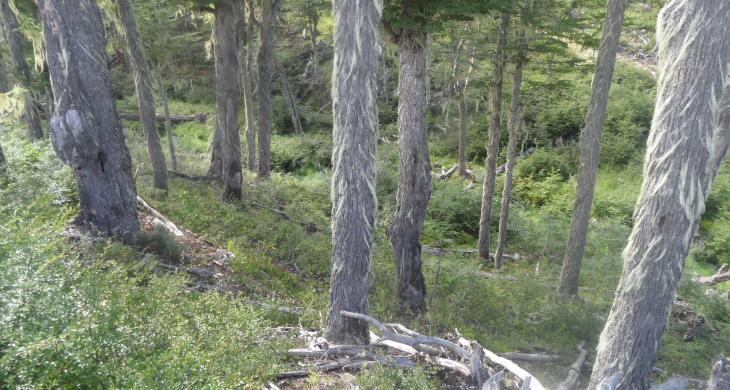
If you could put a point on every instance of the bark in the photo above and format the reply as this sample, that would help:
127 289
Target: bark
247 90
485 220
143 83
215 169
355 137
687 142
227 94
265 61
463 137
168 124
514 127
21 68
4 83
414 180
591 147
3 164
85 130
292 100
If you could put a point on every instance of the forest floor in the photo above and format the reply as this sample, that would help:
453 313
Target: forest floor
96 312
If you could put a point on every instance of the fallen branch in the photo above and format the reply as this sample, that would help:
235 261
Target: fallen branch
573 378
722 275
720 376
308 225
199 117
530 357
189 177
159 219
348 365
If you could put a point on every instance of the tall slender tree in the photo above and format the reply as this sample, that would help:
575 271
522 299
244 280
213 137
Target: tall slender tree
245 37
21 68
85 130
689 139
355 138
591 147
248 89
514 125
269 13
143 83
495 125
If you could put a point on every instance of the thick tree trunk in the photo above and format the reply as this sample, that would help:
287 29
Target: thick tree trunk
591 147
4 83
265 60
227 94
215 169
687 143
414 180
514 126
143 83
168 124
85 130
22 71
355 137
490 176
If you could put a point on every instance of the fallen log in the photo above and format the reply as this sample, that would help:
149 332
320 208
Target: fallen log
175 119
573 378
722 275
720 376
530 357
348 365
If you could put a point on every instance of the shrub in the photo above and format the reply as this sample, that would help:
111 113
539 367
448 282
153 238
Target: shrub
289 154
543 163
455 210
161 243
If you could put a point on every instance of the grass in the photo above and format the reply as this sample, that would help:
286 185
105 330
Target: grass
90 313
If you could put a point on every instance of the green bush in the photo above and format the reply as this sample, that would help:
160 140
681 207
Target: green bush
312 151
161 243
546 162
455 209
551 193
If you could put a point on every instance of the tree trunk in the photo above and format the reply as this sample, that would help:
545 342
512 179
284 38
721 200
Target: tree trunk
227 94
3 164
591 147
490 176
265 59
414 180
215 169
292 100
687 142
514 126
143 83
247 90
168 123
463 136
85 130
4 83
355 138
22 71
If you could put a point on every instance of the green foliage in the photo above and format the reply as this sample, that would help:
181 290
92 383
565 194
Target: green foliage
546 162
307 153
387 378
161 243
550 192
455 210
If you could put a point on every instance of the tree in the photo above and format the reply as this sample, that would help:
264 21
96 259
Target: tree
514 126
495 97
246 66
414 181
408 23
591 147
227 93
84 129
687 142
21 68
355 138
265 61
143 83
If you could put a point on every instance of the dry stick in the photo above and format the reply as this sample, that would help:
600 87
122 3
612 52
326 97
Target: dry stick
134 116
414 339
310 226
722 275
346 365
530 357
571 382
410 340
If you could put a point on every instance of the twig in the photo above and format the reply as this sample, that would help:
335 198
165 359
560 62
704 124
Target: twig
571 381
